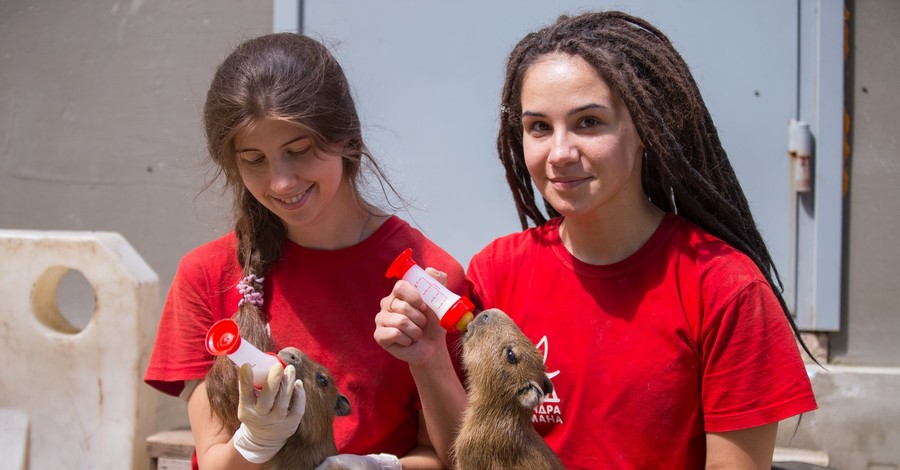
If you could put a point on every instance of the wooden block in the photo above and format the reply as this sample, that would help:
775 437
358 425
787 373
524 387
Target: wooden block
173 464
788 454
174 443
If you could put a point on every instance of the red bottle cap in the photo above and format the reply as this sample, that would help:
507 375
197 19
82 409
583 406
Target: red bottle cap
456 312
224 337
400 265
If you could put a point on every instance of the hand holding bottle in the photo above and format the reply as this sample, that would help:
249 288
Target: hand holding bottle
268 416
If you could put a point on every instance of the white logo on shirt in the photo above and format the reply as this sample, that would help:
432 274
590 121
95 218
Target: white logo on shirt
548 411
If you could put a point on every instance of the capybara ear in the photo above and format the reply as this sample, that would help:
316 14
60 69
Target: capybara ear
531 396
342 406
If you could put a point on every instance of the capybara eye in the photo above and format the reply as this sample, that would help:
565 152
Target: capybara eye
511 355
321 380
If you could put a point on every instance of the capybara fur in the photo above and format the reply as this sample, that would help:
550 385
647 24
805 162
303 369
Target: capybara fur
506 380
314 439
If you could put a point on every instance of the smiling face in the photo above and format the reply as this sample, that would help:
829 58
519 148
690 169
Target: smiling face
580 144
303 185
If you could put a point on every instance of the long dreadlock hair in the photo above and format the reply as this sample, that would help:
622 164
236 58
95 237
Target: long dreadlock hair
685 167
288 77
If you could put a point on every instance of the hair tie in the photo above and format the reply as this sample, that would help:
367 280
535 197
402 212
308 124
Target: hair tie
249 292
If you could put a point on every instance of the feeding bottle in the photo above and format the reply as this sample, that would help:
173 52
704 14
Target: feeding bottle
454 311
224 337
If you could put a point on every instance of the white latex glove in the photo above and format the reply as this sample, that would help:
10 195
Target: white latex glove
360 462
266 419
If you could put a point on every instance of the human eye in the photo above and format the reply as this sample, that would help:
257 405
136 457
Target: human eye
537 127
252 159
298 147
299 151
588 122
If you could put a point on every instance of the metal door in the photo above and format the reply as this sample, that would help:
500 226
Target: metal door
427 77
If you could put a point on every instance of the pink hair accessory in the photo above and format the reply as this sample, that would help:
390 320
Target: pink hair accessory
248 291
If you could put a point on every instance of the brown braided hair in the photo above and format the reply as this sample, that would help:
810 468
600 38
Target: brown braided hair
686 170
288 77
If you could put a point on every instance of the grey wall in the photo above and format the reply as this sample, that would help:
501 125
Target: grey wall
100 123
858 415
871 330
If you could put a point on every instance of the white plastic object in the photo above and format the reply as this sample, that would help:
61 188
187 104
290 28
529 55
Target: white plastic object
454 311
224 337
800 148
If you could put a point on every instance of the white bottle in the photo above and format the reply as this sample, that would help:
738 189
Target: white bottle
224 337
454 311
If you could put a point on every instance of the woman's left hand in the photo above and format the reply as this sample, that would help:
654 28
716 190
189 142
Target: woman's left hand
360 462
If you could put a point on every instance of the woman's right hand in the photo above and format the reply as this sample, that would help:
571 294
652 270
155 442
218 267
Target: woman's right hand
406 327
268 416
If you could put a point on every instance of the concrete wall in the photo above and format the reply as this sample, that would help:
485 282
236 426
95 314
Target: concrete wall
856 424
100 122
871 331
858 420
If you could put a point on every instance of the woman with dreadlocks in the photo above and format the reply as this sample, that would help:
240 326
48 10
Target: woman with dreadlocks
647 284
303 267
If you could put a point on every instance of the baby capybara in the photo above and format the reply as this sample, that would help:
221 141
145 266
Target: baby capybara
506 380
314 439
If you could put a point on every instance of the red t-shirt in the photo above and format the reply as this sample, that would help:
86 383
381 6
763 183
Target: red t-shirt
322 302
648 354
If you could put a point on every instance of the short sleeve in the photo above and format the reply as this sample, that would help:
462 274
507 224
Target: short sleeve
752 370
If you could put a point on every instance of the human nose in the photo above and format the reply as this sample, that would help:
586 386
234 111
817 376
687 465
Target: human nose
562 149
283 176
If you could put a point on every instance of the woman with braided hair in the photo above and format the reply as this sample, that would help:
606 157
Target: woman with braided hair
647 283
304 267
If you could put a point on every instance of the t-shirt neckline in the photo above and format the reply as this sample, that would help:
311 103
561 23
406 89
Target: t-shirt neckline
655 243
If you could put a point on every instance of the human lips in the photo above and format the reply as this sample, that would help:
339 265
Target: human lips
291 200
568 182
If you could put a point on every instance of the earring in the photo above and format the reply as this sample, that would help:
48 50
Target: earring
672 200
